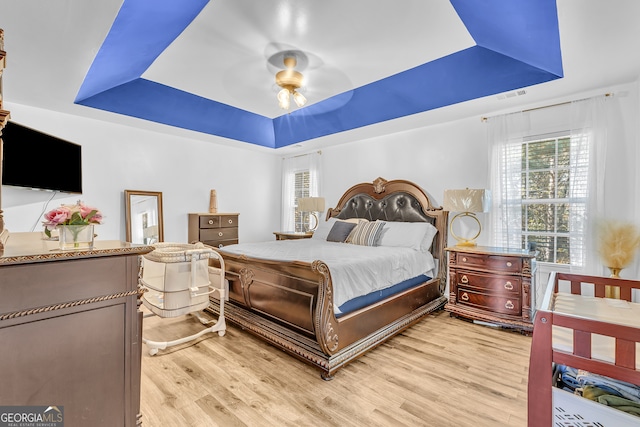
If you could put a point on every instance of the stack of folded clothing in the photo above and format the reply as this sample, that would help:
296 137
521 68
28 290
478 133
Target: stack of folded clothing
614 393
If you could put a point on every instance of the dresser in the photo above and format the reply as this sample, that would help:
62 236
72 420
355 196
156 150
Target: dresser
492 284
213 229
71 330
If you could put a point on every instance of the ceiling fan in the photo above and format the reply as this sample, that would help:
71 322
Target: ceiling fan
290 80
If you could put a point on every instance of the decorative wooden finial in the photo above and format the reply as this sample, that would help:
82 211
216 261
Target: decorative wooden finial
213 202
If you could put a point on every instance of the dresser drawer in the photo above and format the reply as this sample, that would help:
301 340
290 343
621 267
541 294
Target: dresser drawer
489 302
217 221
220 243
218 234
489 262
491 283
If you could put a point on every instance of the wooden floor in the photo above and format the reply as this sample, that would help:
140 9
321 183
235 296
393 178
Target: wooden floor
440 372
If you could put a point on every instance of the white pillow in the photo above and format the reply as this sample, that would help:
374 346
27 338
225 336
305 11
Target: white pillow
324 227
414 235
427 240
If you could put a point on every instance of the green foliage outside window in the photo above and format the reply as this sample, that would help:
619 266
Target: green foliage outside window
545 204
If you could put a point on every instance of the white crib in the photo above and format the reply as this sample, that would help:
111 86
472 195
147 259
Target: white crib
178 280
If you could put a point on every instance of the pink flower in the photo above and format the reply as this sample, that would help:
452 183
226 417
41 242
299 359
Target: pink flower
57 216
86 210
96 219
78 214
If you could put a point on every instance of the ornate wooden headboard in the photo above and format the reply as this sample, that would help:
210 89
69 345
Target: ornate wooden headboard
396 200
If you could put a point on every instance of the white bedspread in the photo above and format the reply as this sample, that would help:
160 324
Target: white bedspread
355 270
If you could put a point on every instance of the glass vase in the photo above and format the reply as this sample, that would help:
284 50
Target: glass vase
75 237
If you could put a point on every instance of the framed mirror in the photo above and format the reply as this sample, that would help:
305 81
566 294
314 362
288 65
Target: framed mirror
144 216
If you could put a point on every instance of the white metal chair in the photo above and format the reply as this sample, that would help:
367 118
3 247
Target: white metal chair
178 280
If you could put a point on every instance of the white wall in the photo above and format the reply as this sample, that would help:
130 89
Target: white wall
118 157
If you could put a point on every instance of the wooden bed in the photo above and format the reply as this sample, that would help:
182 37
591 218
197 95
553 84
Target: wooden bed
290 304
576 326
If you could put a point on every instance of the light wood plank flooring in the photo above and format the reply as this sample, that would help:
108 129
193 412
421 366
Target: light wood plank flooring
440 372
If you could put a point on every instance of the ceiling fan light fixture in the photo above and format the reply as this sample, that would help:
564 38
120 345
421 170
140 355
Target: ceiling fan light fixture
283 99
299 98
290 80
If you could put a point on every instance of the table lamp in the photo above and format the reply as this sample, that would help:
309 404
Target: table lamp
311 205
467 202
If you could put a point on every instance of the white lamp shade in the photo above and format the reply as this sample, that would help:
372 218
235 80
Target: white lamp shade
467 200
311 204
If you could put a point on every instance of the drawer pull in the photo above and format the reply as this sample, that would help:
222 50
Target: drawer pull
509 263
509 305
230 221
464 279
464 297
220 245
220 233
210 222
508 286
464 259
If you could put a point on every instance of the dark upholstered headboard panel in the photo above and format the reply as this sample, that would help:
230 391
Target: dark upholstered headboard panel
398 206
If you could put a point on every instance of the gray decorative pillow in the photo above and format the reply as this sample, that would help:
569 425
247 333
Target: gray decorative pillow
340 231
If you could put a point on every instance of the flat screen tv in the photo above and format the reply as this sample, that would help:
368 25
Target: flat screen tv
36 160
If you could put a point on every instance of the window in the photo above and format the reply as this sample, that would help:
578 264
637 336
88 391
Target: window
300 178
548 189
545 205
548 199
301 189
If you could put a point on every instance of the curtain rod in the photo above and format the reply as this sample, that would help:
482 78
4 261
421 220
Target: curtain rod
484 119
300 155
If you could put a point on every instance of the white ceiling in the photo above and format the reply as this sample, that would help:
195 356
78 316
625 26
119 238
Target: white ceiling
224 53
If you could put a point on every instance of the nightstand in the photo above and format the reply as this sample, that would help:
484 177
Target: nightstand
213 229
493 285
292 235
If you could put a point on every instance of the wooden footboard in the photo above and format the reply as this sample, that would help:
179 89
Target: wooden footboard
583 330
290 305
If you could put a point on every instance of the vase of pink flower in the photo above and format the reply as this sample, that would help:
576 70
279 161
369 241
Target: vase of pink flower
74 224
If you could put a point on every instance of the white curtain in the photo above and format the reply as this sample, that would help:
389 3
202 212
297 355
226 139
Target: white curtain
290 166
588 122
589 139
506 134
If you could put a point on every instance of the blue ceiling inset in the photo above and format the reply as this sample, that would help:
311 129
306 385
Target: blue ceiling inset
517 41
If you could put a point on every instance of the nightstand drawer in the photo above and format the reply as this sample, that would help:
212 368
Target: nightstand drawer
492 283
218 234
507 264
216 221
489 302
220 243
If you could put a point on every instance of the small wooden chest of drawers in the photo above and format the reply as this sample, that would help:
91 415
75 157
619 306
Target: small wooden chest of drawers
492 285
217 229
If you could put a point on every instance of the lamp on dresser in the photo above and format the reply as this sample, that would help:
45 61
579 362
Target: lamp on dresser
311 205
467 202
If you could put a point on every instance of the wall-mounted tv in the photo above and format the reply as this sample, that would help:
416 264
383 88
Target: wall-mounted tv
36 160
